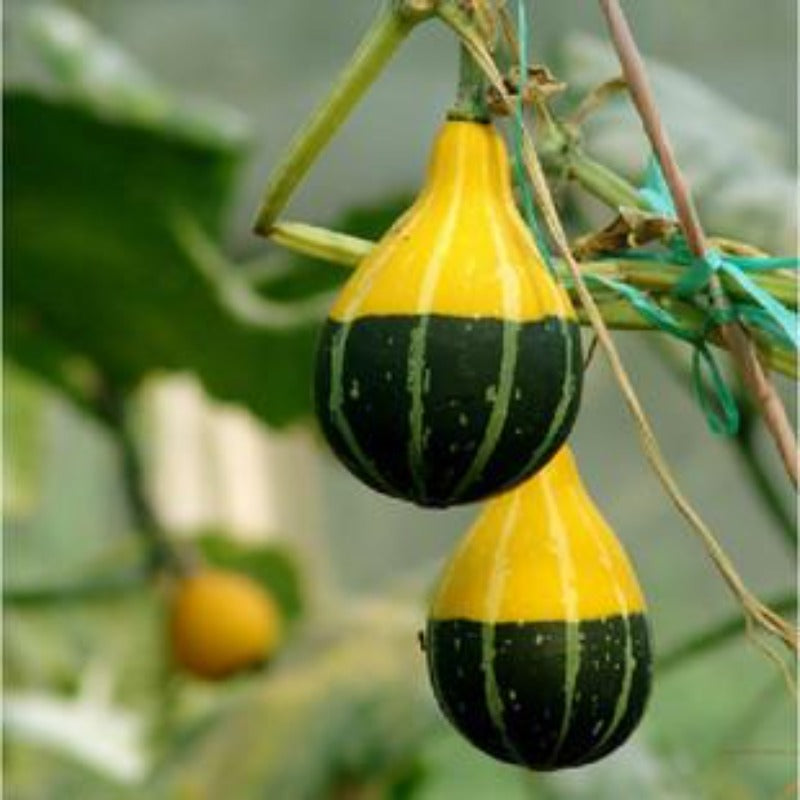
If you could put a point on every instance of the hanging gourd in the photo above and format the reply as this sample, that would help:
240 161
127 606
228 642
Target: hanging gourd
449 368
537 644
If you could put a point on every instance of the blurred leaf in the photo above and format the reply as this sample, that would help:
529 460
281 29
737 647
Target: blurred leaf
354 705
23 410
84 65
272 565
736 164
92 264
98 275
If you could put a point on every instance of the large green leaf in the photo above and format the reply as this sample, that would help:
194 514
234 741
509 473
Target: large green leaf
92 260
95 268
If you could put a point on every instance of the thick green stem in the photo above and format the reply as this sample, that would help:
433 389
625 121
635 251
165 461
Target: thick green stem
85 592
160 549
470 102
561 153
663 276
341 248
387 32
601 181
311 240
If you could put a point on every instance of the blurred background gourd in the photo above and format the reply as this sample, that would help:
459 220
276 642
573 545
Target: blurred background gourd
222 622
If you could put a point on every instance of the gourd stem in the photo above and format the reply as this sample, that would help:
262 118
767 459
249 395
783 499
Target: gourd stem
387 32
470 102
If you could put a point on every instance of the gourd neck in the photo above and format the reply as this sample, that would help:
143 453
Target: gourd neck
469 160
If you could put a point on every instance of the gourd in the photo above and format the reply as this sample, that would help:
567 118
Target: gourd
222 622
449 368
537 642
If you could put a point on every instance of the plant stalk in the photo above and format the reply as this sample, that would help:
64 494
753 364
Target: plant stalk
470 104
85 592
388 31
162 554
600 181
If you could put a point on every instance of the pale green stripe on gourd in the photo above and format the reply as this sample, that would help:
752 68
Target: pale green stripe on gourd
337 413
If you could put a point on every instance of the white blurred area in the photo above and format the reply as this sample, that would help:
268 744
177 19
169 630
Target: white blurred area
214 467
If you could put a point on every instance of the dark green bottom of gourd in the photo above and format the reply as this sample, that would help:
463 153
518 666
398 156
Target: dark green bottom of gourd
545 695
442 410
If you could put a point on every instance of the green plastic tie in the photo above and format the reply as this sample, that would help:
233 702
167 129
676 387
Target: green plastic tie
783 323
765 313
708 382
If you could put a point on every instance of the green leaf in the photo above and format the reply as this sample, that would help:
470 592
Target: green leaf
97 274
94 268
274 566
23 416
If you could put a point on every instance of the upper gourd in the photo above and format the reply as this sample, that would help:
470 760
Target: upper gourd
449 368
537 642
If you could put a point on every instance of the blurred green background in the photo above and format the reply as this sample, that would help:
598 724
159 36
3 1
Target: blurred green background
130 181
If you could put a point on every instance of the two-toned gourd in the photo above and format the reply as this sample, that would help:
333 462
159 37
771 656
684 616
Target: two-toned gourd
537 642
449 368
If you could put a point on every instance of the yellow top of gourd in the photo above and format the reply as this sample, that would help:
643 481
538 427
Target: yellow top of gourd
462 249
541 552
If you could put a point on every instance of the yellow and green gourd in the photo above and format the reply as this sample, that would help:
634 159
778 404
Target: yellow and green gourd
449 368
537 643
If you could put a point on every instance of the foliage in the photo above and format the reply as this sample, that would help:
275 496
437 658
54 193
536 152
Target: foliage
274 567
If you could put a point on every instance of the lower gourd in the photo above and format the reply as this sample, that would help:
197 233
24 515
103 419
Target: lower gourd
537 643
